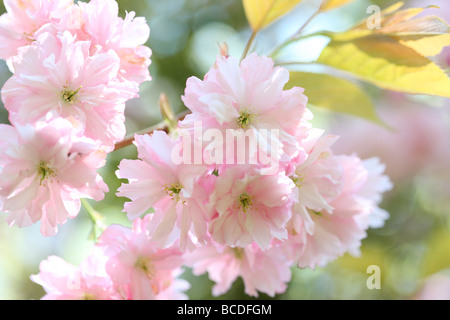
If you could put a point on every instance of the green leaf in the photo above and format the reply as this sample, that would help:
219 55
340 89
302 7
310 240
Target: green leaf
261 13
335 94
383 61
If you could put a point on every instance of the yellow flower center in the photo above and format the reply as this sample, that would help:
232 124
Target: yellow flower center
238 253
45 171
174 190
70 96
245 119
145 265
298 179
89 296
245 201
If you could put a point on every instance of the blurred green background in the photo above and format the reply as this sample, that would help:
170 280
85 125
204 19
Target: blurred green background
413 245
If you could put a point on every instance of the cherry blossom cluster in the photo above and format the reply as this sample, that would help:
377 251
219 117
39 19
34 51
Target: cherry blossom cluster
74 66
197 205
237 216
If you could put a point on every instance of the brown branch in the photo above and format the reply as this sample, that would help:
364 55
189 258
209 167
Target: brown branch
160 126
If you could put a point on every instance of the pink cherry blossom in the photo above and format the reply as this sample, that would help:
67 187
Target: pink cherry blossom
23 19
57 77
328 233
250 207
266 271
317 179
45 169
123 265
154 180
247 96
138 266
64 281
99 22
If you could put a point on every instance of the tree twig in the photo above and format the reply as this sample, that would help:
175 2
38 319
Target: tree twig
160 126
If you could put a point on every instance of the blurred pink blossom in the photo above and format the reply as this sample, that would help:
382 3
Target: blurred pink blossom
417 140
435 287
64 281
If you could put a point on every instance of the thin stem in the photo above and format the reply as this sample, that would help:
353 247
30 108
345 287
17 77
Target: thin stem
160 126
95 217
293 63
296 36
249 44
306 23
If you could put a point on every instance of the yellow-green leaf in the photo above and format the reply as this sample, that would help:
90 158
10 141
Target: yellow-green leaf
335 94
400 16
392 15
393 8
261 13
426 35
385 62
427 45
427 25
333 4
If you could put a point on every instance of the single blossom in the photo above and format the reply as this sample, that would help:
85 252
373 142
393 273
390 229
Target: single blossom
22 19
247 97
57 77
138 266
328 233
123 265
45 169
250 207
98 21
155 180
317 177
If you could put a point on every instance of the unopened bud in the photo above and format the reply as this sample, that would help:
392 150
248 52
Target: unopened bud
167 112
223 48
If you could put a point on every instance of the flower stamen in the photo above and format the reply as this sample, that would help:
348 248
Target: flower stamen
245 202
45 171
238 253
70 96
245 118
145 265
298 180
89 296
174 190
